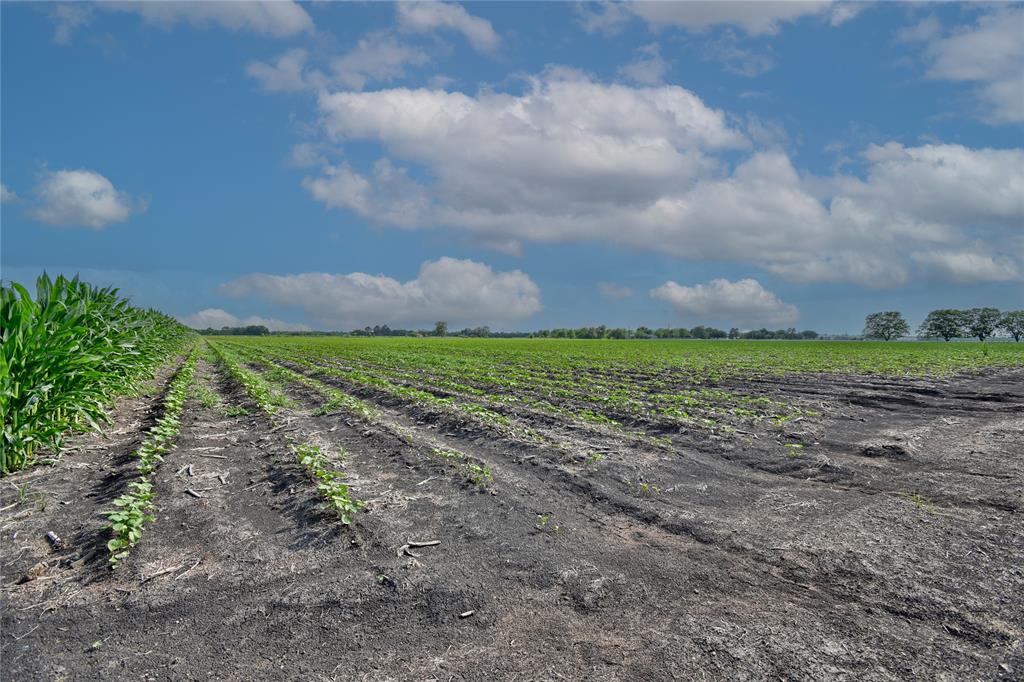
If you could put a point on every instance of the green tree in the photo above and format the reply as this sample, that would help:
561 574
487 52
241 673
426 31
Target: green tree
945 324
981 322
1012 323
441 328
887 325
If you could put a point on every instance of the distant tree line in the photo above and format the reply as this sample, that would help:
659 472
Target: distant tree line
947 324
250 330
698 332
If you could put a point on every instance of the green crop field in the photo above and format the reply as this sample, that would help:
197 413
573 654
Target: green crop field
624 384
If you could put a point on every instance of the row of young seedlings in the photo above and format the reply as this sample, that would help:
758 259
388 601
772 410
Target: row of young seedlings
478 414
135 508
401 384
329 482
601 389
475 471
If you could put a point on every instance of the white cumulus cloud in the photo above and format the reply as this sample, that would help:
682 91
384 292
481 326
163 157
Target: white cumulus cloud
81 198
989 53
966 267
744 302
6 195
571 159
754 17
459 291
275 18
287 74
425 17
376 57
215 318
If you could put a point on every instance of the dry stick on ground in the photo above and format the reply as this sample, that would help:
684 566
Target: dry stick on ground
425 543
193 493
188 570
165 571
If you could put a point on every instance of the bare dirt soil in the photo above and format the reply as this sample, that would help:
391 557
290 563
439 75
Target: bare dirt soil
890 546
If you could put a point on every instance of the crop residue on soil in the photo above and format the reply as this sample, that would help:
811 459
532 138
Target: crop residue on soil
885 543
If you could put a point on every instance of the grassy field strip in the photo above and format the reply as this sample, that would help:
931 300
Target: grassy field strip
134 508
329 482
474 469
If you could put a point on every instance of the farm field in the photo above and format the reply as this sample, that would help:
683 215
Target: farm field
324 508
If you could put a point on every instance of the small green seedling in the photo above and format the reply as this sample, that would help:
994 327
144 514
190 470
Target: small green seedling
544 524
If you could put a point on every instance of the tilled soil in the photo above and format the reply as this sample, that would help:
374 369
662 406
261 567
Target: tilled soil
890 546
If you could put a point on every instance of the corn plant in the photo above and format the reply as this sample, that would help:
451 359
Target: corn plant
66 353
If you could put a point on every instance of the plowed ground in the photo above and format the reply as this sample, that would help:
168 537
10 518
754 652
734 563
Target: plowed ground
890 547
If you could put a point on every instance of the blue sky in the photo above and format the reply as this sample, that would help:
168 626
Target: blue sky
526 166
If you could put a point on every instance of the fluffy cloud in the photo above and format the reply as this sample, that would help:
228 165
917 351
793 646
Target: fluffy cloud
752 17
287 74
648 68
571 159
278 18
460 291
614 291
215 318
275 18
565 147
744 302
990 53
6 194
425 17
377 57
82 198
966 267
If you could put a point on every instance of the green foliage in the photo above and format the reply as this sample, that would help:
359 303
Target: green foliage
134 507
1013 324
66 354
982 322
441 328
328 482
207 398
885 326
944 324
261 393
